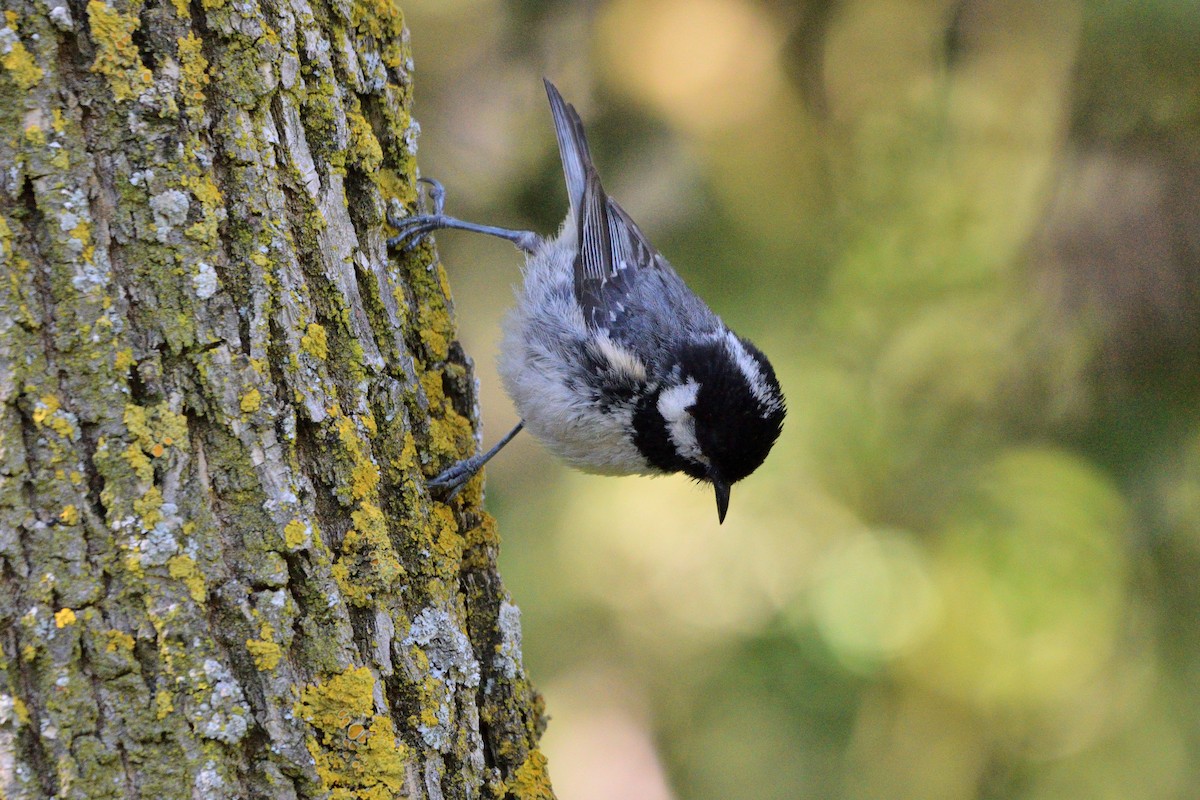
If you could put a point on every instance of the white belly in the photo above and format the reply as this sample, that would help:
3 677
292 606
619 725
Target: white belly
540 333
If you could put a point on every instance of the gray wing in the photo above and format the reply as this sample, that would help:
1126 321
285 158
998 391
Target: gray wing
613 251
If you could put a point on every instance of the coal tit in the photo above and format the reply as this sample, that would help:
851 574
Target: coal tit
613 363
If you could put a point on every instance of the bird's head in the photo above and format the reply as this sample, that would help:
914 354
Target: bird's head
718 419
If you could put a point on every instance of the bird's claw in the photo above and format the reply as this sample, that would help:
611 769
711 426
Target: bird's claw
413 228
451 480
436 192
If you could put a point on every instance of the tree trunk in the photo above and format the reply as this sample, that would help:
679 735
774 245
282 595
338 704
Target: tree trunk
220 572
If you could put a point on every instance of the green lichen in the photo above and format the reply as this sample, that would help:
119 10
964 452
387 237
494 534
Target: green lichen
117 56
320 115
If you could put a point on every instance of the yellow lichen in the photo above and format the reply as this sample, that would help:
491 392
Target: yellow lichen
364 474
364 147
437 343
368 546
18 62
82 232
117 56
154 428
139 462
480 543
531 780
149 508
407 459
69 515
315 342
251 401
64 617
383 20
163 704
46 414
118 640
450 435
355 751
447 541
6 238
47 405
35 135
265 652
295 534
193 75
184 568
21 710
324 705
266 655
364 477
123 360
203 187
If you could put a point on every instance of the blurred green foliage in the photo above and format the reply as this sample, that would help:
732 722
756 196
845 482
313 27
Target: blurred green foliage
967 234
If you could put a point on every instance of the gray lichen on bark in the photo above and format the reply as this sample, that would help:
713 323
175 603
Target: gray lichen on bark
220 572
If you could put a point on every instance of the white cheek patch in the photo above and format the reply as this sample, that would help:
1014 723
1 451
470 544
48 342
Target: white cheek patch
622 361
763 393
673 405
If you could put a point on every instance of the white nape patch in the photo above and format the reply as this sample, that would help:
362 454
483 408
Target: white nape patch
622 361
673 404
762 392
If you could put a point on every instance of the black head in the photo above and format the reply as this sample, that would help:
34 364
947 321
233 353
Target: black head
719 422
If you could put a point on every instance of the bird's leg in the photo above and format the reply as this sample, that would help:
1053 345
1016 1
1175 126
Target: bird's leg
413 229
450 480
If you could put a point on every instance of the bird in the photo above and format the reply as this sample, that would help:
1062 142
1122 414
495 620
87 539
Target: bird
613 363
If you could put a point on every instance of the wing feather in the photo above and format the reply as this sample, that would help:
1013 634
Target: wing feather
572 147
612 249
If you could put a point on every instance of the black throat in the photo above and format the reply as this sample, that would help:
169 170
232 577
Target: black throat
653 441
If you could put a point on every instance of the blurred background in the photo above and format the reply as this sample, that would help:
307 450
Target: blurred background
968 236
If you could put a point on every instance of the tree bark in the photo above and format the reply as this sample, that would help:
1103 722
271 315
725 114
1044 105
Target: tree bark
220 572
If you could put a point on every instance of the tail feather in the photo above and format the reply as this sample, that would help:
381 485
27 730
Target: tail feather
572 147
